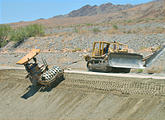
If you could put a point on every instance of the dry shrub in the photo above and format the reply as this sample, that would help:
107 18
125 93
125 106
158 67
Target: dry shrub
114 31
80 31
159 30
4 34
96 30
83 31
22 33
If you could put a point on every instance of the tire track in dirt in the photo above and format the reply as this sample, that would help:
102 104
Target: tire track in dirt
82 97
131 87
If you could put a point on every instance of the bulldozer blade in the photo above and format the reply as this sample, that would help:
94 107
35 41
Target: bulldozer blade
154 56
125 60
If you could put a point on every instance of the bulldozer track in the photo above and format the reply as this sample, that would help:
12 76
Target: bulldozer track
124 87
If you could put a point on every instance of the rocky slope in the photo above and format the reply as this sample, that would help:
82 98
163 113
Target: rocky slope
67 48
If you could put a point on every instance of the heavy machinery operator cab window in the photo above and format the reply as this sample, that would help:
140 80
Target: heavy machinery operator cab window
97 49
100 49
106 48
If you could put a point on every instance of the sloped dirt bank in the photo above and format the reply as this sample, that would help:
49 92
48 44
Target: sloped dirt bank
82 97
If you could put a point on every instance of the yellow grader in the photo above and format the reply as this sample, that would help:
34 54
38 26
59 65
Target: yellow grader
115 57
40 75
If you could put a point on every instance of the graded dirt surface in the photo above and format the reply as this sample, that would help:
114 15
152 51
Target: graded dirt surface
82 97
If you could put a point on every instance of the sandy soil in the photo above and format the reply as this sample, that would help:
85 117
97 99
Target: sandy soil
81 97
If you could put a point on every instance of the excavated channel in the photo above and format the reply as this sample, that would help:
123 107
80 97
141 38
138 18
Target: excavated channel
82 97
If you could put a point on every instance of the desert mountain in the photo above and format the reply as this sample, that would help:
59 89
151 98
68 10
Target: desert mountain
104 13
95 10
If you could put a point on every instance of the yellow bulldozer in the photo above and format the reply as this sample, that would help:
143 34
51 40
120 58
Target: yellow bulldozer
115 57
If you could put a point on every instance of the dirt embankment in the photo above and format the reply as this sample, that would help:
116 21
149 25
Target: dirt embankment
82 97
65 49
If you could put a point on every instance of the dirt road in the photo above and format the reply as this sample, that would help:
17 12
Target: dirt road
129 75
82 97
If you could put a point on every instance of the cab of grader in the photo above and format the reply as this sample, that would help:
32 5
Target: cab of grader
40 75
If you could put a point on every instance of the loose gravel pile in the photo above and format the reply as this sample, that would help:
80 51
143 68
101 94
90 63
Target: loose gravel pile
85 41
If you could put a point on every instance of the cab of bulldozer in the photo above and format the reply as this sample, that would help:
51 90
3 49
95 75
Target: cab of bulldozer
102 47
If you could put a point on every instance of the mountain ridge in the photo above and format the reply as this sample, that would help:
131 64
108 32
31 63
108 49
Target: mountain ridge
103 13
89 10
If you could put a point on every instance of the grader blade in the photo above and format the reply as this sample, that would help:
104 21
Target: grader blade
125 60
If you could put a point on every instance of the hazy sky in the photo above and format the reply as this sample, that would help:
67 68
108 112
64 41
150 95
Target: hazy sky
28 10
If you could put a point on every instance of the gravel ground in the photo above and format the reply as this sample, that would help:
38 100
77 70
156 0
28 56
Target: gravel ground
67 46
61 49
85 41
